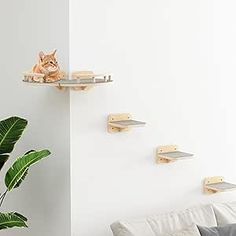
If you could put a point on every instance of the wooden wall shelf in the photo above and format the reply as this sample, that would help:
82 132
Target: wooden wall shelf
170 153
217 184
122 123
81 81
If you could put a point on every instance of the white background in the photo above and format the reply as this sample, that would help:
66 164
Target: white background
26 28
173 65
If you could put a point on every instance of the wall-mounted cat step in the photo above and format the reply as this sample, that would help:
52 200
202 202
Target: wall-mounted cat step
122 123
170 153
217 184
81 80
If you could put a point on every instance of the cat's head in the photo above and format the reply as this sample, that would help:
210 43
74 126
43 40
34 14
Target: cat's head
48 61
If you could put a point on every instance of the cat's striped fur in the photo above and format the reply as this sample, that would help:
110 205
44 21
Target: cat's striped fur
48 66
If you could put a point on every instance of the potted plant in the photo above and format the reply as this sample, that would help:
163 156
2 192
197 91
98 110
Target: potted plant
11 130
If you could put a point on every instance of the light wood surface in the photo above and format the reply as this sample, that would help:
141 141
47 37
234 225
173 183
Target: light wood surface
170 153
69 84
117 117
82 80
213 180
167 148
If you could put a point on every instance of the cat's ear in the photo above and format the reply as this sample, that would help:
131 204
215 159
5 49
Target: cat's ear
54 53
41 55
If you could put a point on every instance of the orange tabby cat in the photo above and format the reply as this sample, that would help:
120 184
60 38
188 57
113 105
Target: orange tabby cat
49 67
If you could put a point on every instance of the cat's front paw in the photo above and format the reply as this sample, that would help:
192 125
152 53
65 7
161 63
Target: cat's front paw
51 79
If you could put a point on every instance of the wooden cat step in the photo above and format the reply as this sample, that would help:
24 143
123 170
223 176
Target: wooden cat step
216 184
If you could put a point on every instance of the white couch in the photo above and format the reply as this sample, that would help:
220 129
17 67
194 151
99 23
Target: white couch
207 215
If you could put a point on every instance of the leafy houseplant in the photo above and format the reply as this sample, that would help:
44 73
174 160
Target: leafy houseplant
11 130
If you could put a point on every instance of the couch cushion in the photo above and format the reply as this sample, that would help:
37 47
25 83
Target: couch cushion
225 213
190 231
132 228
227 230
165 223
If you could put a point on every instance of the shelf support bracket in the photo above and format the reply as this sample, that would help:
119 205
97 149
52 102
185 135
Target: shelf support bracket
212 180
117 117
160 155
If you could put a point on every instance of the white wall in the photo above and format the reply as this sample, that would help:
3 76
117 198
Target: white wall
26 28
174 67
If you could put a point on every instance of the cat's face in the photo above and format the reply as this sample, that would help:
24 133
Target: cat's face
48 61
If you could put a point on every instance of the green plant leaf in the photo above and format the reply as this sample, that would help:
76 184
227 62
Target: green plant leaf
10 220
29 152
22 178
20 216
11 130
16 174
26 172
3 159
